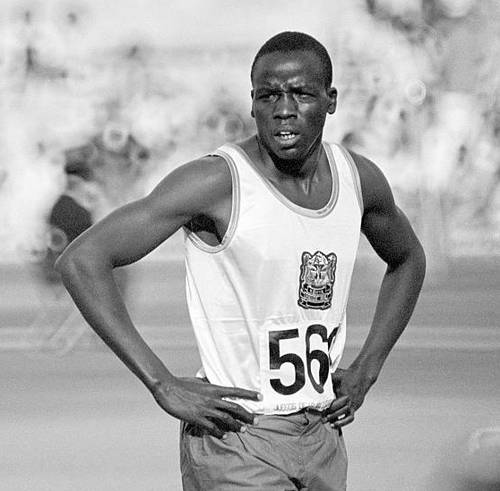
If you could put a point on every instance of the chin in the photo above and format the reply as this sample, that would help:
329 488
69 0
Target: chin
291 153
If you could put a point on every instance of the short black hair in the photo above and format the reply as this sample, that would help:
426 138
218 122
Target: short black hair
290 41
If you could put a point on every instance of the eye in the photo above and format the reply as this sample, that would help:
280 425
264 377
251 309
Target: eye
268 97
304 96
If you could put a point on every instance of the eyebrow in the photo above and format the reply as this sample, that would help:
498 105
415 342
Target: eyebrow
292 87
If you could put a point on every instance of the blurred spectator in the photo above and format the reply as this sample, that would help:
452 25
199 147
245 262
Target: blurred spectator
115 162
101 175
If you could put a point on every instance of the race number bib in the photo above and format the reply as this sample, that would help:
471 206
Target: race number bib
295 367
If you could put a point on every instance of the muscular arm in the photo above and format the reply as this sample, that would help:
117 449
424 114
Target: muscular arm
392 237
126 235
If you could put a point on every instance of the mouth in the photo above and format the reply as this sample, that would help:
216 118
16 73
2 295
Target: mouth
286 137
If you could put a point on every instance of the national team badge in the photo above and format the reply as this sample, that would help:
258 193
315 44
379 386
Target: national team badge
317 276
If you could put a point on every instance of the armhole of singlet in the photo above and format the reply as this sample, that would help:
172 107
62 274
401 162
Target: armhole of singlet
235 210
355 177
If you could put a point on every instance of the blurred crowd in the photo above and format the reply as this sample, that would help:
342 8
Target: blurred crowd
422 97
84 131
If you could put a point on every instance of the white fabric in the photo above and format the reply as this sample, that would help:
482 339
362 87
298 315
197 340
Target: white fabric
259 302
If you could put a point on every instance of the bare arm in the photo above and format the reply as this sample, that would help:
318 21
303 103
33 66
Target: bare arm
392 237
126 235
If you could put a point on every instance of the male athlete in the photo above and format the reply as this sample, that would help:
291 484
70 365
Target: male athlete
272 227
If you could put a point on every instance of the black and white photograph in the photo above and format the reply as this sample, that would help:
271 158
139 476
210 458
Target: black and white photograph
250 245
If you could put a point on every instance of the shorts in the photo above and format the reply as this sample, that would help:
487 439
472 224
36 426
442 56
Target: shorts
280 453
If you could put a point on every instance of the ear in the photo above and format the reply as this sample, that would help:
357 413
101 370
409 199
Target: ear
332 95
251 96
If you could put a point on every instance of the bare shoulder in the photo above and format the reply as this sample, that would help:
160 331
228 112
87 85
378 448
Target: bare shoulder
206 173
195 186
384 224
377 193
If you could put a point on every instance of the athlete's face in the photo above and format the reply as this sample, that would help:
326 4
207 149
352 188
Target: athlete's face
290 102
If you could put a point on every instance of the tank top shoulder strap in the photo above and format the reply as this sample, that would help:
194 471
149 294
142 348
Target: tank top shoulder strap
236 156
249 179
228 152
348 171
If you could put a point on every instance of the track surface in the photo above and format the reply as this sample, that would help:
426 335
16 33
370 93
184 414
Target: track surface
82 422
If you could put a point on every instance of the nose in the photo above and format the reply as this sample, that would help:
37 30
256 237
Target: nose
286 107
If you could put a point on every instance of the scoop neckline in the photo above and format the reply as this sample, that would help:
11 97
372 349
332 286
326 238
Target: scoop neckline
301 210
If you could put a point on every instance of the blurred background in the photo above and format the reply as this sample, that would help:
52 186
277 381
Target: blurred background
99 101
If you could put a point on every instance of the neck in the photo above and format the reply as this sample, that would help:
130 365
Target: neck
302 168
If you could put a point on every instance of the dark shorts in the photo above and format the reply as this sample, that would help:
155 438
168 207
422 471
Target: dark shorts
280 453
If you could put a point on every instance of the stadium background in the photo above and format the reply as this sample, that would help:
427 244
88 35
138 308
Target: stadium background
100 100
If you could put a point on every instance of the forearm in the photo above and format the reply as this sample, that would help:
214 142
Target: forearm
94 291
398 295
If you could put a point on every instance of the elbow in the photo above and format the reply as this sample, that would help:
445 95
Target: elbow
421 260
73 262
67 263
413 262
418 264
422 269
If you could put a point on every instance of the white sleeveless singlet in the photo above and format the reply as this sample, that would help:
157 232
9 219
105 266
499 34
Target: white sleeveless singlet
268 304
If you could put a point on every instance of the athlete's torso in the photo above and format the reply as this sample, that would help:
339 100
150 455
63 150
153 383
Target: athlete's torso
268 303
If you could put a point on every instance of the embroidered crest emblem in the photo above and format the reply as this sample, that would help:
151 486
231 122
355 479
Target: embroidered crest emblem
317 276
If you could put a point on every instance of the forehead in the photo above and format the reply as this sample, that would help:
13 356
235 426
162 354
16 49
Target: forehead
303 67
